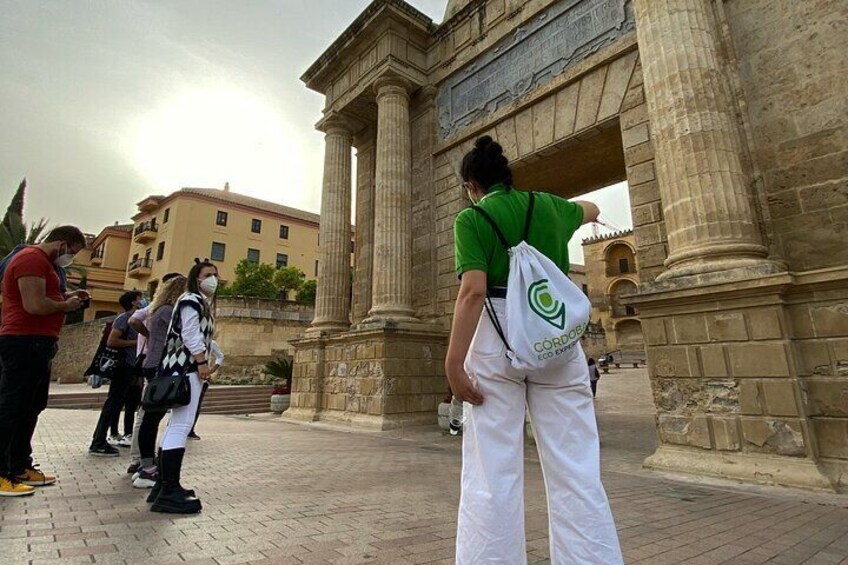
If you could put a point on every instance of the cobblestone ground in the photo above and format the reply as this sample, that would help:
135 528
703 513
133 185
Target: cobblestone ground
282 493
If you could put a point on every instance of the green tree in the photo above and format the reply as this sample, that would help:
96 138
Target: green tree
13 231
289 279
254 280
306 294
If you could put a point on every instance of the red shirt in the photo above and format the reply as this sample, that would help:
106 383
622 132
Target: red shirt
30 262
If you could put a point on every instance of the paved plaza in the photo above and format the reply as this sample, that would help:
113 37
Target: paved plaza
275 492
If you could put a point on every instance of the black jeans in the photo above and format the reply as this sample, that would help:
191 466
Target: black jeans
118 386
25 363
149 425
132 401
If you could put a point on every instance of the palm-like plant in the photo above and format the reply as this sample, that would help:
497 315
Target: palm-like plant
281 368
13 231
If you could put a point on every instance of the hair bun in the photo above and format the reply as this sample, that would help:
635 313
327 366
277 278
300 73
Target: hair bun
483 143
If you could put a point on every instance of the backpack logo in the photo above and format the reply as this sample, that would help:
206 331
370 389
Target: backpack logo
544 305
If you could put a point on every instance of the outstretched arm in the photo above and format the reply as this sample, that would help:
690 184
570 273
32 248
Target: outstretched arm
590 210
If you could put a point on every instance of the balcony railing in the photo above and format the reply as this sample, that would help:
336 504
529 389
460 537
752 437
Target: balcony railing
97 256
145 231
140 268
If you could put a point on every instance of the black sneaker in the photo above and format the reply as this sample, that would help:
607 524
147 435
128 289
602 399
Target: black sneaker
133 468
103 451
193 435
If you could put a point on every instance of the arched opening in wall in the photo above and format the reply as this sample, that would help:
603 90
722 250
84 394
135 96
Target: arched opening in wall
618 306
620 259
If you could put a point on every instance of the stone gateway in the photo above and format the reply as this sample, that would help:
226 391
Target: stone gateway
729 121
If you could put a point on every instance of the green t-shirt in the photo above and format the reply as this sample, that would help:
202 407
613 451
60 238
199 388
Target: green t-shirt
477 247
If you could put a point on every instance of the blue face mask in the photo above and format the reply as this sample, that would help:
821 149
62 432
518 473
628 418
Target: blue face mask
144 303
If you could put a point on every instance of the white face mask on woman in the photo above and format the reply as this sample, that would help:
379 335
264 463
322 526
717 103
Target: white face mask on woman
209 286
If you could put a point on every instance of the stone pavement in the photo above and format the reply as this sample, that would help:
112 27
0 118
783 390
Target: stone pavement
275 492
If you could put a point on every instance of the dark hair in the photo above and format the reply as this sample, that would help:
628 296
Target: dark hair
193 285
126 300
486 164
67 234
170 276
591 361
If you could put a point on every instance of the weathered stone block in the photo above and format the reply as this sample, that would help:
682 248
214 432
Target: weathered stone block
679 430
713 361
750 397
813 357
634 136
689 329
780 397
780 437
832 437
695 396
641 173
726 434
654 332
673 361
764 324
830 320
827 397
729 326
758 360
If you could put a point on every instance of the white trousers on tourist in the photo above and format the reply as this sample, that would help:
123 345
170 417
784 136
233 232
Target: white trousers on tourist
491 510
182 418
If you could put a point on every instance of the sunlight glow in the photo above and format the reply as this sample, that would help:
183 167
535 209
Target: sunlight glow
206 137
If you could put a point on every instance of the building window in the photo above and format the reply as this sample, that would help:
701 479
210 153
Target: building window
221 220
160 251
135 257
282 260
630 310
352 246
256 226
316 267
218 251
166 216
147 255
253 255
623 265
284 232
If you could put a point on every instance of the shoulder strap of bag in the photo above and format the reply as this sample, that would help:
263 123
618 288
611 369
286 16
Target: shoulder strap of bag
494 225
529 219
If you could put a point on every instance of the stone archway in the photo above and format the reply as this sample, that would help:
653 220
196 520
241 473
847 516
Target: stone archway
562 85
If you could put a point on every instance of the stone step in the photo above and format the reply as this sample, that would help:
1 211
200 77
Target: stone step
218 400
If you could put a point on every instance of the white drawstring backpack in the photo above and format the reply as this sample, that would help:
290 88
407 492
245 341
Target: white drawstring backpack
547 313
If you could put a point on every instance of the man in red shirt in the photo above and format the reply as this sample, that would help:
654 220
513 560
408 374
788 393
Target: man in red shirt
34 309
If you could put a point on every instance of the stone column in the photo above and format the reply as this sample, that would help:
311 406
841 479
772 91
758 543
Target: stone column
708 214
332 303
391 297
363 254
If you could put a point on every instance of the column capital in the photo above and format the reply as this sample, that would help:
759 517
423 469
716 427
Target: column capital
337 124
392 84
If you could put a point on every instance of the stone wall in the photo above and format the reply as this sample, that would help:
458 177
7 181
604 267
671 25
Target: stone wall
77 346
250 331
253 331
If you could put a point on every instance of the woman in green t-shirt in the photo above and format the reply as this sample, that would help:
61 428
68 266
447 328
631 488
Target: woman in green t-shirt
491 511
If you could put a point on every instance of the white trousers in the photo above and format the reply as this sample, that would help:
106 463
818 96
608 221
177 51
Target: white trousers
182 418
491 509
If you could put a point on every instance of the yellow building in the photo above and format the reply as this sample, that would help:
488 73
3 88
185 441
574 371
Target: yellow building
104 261
612 272
170 231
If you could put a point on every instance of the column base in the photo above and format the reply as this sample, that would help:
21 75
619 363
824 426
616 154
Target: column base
325 329
701 272
300 414
382 322
748 467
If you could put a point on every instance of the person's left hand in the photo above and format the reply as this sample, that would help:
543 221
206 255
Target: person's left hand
213 367
81 294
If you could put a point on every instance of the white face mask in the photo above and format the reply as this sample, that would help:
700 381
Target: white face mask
209 286
64 260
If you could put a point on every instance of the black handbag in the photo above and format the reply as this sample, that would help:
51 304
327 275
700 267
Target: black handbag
164 392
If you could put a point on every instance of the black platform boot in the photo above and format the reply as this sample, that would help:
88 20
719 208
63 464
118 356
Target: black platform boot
172 497
154 492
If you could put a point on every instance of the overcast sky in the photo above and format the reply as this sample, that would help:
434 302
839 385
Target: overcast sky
103 102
